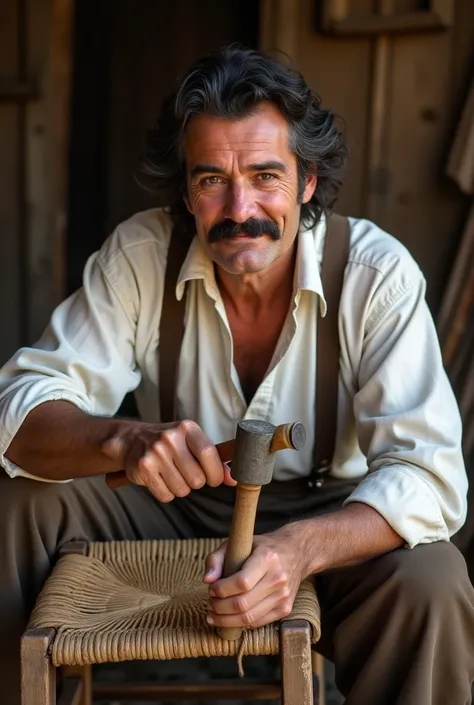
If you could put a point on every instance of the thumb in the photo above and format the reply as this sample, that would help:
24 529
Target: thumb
114 449
228 479
214 564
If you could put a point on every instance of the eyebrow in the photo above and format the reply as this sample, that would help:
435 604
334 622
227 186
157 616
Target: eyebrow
206 169
272 164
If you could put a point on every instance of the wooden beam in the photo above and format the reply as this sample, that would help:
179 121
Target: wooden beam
337 19
61 60
218 690
279 26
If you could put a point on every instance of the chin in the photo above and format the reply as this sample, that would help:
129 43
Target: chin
245 262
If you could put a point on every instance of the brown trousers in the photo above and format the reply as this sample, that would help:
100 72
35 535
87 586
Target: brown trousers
399 628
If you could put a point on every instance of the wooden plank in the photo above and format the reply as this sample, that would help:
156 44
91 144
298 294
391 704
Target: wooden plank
39 187
429 85
279 26
61 60
377 167
296 665
339 71
420 209
459 275
396 23
10 177
217 690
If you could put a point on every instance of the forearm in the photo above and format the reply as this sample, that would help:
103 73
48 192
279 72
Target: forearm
348 536
58 441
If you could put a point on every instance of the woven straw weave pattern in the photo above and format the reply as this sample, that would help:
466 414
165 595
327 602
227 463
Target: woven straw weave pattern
131 600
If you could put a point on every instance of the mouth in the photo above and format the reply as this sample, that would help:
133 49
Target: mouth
243 236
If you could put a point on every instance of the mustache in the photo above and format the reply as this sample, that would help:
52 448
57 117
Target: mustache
253 227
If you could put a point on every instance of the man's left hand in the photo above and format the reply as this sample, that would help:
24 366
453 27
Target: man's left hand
264 590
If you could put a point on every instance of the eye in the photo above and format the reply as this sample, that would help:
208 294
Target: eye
211 180
266 177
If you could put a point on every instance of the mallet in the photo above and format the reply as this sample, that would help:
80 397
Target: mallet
282 439
255 446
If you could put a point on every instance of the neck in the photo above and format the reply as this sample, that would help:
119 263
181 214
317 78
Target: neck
254 293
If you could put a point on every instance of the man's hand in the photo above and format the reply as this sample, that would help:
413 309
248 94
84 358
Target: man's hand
169 459
264 589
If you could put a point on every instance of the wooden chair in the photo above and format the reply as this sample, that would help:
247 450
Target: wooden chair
127 600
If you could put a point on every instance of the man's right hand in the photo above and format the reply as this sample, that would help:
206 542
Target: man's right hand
169 459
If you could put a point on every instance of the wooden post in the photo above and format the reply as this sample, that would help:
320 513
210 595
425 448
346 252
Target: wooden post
61 59
296 666
38 675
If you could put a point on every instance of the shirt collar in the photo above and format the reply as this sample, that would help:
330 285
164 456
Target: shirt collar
197 265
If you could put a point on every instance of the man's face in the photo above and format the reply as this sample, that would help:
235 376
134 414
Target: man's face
242 188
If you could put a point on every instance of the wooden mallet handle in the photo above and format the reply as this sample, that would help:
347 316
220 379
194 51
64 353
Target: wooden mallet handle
239 545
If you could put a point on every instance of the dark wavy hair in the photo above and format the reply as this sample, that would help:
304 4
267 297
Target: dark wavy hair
231 83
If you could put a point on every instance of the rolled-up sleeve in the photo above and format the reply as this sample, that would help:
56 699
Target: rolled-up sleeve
85 356
407 421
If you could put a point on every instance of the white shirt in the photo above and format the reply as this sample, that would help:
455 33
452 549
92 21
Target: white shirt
398 422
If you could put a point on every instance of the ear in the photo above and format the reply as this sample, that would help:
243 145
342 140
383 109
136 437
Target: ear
310 188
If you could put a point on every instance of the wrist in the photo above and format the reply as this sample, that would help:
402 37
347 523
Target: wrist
116 439
302 540
313 542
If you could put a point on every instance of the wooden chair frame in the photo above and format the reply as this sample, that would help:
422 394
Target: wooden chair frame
39 681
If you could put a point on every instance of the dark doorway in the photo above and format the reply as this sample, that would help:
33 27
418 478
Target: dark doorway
127 58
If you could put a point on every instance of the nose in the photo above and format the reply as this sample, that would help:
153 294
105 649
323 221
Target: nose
240 204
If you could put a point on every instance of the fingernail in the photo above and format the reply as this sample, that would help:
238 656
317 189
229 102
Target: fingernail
208 572
209 619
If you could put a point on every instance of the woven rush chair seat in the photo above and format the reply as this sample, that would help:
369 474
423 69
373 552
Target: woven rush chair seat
129 600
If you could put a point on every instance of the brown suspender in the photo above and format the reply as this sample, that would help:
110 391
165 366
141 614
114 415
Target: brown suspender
336 250
171 327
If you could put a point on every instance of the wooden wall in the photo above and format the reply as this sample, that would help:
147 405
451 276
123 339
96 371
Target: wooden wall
128 55
397 164
34 99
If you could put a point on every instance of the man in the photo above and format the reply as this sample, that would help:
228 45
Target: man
252 164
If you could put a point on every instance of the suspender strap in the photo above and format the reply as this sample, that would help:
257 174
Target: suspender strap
336 252
171 327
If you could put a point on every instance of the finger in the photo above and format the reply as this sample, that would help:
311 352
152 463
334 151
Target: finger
244 580
174 480
153 466
158 489
161 459
190 469
206 454
214 564
228 479
243 602
273 607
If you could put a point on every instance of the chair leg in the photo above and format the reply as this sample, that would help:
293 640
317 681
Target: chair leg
296 666
83 676
87 685
38 675
318 669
